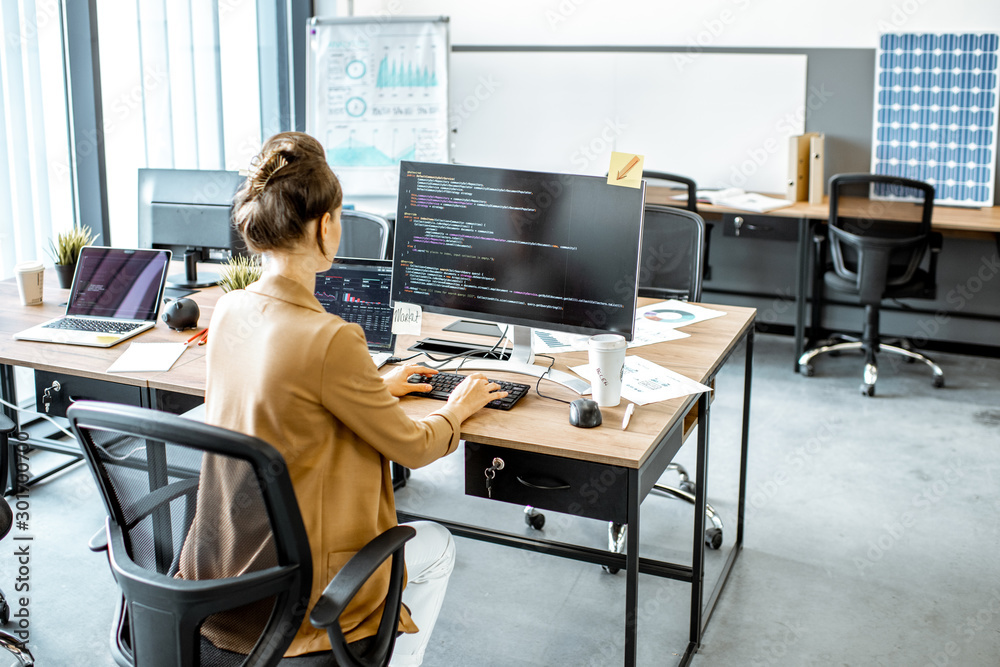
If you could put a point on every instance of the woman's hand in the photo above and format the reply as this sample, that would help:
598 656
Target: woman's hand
396 380
473 393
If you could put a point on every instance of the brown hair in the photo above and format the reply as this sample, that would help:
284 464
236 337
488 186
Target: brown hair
290 183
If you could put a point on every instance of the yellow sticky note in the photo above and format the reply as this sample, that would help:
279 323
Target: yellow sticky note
625 170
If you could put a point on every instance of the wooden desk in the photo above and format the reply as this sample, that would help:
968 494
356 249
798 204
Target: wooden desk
536 430
800 221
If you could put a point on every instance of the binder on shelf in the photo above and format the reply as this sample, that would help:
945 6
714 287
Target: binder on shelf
805 168
816 168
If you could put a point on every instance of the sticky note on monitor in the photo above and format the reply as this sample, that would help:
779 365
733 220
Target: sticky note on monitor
625 170
406 319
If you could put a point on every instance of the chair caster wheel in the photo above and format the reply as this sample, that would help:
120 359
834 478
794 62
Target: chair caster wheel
534 519
686 486
938 381
4 612
713 538
867 390
807 370
609 569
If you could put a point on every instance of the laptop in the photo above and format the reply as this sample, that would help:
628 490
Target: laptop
360 291
115 295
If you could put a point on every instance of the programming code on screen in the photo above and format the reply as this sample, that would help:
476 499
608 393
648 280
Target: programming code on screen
542 248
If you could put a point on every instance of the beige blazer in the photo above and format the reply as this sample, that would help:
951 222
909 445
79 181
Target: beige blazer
283 369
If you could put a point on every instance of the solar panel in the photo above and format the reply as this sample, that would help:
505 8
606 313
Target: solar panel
936 113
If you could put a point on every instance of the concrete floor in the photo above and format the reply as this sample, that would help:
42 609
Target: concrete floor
871 539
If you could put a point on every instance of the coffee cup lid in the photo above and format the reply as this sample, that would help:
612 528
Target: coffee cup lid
607 342
29 266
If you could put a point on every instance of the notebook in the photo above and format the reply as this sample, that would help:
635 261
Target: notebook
360 291
115 295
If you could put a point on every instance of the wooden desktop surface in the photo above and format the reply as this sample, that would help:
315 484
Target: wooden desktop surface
951 218
535 424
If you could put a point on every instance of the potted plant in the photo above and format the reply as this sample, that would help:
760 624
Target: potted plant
239 272
66 251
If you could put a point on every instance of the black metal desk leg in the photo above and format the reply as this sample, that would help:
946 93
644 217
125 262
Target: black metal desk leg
698 547
802 291
745 441
632 570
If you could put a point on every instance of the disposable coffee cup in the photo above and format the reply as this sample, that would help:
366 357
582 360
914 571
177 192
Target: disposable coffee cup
607 358
30 277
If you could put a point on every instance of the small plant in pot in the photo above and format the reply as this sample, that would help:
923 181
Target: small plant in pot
239 272
66 251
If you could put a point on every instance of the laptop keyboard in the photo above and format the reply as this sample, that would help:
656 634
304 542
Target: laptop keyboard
97 326
444 383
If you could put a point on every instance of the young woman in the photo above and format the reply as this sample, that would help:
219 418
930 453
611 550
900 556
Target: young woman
283 369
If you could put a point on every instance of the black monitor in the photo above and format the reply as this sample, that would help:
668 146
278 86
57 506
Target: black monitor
522 248
188 211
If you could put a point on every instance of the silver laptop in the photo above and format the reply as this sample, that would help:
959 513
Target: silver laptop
115 295
360 291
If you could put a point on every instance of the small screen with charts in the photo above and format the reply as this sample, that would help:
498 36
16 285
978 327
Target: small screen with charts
550 251
360 293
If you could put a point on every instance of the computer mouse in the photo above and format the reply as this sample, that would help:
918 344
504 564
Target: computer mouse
585 413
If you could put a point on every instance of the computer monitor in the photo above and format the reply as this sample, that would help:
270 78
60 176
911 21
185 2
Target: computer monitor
521 248
188 212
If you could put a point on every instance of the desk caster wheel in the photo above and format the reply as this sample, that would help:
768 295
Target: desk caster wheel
867 390
807 370
713 538
938 381
534 518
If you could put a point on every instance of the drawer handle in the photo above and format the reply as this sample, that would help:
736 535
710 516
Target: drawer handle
553 485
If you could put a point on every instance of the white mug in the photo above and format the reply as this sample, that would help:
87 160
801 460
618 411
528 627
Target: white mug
607 359
30 278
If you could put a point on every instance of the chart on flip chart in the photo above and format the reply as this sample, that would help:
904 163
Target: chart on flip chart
377 93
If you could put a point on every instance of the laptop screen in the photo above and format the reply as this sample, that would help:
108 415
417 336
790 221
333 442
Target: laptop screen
360 293
118 282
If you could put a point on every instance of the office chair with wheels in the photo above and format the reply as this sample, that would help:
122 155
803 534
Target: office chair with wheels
877 246
148 466
691 204
364 235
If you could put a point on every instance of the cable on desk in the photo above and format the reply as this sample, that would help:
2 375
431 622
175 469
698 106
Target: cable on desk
490 353
538 382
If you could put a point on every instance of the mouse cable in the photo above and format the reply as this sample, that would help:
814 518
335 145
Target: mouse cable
552 361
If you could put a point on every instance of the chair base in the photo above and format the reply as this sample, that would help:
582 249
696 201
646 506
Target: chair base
871 366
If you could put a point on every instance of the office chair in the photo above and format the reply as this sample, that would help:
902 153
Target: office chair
10 646
691 204
364 235
148 467
877 247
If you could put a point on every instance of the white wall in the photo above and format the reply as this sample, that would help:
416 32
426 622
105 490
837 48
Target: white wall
715 23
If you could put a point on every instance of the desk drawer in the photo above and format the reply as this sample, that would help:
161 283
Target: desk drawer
74 388
750 226
592 490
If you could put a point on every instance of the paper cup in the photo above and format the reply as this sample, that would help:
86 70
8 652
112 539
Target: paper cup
30 277
607 359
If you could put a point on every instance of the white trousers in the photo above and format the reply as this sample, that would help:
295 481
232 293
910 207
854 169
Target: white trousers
430 558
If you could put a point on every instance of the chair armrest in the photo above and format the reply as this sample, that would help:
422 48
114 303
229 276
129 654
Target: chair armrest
934 243
99 542
346 584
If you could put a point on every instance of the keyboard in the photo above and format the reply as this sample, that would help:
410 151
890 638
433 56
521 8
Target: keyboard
98 326
444 383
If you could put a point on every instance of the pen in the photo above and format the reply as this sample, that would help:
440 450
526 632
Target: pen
628 415
203 334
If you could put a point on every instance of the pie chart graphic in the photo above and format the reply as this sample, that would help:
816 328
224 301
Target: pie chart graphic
668 316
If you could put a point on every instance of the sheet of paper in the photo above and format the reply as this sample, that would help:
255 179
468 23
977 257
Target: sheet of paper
644 382
406 319
143 357
646 333
673 313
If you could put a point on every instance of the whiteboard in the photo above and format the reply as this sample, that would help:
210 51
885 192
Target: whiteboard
377 93
721 119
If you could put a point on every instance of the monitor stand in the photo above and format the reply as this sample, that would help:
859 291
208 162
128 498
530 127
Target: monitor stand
521 361
191 279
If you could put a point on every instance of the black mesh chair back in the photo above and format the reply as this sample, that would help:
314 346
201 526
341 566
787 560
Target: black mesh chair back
879 232
670 264
364 235
681 183
150 467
